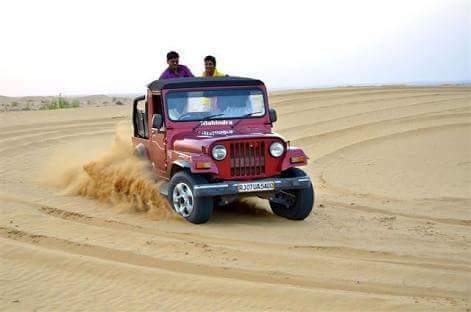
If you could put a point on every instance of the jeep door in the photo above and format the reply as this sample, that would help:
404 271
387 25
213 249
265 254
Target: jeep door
158 138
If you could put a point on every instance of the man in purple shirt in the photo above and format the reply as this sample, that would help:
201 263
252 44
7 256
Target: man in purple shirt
174 70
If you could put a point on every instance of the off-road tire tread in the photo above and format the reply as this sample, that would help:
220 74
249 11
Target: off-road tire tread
304 199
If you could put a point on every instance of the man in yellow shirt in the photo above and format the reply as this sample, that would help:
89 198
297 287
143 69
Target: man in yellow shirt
210 67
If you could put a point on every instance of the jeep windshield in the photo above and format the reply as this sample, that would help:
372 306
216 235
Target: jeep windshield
215 104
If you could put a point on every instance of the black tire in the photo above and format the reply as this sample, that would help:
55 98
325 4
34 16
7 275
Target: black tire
140 151
201 208
302 207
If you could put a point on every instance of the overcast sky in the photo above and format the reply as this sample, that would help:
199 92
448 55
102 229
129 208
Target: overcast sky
107 47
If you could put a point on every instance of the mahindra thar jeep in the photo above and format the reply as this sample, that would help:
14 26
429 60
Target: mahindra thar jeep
211 141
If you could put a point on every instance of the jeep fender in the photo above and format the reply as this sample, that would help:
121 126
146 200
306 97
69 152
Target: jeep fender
293 152
191 165
182 163
179 165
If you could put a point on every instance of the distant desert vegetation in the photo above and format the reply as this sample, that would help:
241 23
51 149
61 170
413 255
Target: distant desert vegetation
58 102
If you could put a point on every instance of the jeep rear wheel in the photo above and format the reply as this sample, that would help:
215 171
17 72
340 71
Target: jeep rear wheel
140 151
181 197
297 203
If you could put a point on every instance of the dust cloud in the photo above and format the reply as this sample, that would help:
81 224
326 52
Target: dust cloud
116 176
113 174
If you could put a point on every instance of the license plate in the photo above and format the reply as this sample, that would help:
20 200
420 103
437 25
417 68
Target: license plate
256 186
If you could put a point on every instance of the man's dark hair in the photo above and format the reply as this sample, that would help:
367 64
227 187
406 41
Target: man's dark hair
172 55
210 58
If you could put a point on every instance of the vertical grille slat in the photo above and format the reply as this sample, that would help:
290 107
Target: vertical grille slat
231 154
237 160
258 154
251 161
242 158
262 167
247 158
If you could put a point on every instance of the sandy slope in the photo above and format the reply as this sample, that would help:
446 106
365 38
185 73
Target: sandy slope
391 227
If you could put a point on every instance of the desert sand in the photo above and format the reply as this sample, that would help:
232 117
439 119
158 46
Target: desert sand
390 230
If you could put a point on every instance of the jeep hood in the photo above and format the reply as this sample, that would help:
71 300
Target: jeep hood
196 144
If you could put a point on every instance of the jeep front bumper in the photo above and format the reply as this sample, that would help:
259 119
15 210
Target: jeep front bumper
232 187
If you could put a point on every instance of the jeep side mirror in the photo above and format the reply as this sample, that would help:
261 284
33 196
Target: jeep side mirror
272 113
157 121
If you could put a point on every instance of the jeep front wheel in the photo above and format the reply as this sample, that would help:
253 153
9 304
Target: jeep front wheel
293 204
181 197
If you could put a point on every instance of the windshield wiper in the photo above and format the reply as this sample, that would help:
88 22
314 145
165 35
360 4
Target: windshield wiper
206 118
242 118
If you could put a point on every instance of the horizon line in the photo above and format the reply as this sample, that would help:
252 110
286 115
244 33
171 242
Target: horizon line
323 86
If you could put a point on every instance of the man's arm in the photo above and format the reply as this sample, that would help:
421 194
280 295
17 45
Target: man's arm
163 75
188 72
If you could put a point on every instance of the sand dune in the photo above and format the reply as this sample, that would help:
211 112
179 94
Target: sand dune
391 229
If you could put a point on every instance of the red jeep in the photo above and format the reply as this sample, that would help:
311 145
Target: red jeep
211 141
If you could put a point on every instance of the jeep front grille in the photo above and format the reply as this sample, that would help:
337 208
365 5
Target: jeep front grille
247 158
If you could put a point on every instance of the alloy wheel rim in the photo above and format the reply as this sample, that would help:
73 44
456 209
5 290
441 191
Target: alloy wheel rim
183 199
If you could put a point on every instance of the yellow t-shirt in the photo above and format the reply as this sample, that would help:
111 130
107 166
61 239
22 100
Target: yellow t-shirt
215 74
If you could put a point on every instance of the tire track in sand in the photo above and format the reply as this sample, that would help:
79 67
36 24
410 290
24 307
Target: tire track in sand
19 129
8 151
367 209
329 251
20 136
278 278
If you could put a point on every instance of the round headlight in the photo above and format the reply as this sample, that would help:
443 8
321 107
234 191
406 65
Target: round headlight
219 152
276 149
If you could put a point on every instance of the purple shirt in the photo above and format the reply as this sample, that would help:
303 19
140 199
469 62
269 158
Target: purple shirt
182 71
